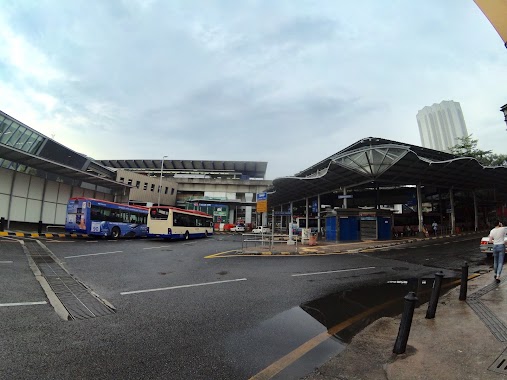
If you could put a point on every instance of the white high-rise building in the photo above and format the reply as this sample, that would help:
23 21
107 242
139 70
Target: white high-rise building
440 125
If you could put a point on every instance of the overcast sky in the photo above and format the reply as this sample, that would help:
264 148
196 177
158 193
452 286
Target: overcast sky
287 82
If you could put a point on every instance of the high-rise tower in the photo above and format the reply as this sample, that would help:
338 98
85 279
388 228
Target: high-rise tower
440 125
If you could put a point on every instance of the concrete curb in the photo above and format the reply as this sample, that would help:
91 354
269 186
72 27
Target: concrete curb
37 235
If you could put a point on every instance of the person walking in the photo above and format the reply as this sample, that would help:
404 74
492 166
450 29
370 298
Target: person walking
435 226
497 237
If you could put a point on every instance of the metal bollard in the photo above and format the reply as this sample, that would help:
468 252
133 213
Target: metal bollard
39 228
406 322
2 224
435 293
464 282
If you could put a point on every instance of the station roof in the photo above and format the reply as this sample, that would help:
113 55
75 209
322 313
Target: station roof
41 163
252 169
379 162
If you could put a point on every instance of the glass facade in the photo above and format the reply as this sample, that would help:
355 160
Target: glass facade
18 136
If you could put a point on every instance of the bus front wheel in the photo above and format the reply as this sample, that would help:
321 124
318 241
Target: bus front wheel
206 233
115 233
187 235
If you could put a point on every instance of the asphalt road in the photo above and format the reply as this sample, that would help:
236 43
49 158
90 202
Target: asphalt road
180 315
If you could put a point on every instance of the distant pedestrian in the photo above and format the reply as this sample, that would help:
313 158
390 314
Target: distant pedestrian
434 225
497 237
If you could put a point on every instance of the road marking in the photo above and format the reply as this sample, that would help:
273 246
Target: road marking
5 262
92 241
331 271
162 246
181 286
92 254
218 254
23 303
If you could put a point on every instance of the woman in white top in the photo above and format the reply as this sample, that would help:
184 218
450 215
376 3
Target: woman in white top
497 237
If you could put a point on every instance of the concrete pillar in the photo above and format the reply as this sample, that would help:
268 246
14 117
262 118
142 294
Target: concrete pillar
419 208
248 214
232 215
476 216
10 197
344 199
453 215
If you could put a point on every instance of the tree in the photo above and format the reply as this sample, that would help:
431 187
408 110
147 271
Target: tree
467 147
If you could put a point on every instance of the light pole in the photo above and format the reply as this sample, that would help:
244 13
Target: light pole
504 110
160 184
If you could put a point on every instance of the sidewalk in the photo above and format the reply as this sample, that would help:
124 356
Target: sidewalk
465 340
330 247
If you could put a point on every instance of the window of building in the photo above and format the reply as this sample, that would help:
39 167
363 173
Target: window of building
138 184
129 182
172 191
166 190
145 187
152 187
122 179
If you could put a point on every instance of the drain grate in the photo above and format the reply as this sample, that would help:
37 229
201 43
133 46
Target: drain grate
77 299
500 365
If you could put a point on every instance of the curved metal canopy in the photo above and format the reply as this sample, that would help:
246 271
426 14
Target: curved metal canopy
379 162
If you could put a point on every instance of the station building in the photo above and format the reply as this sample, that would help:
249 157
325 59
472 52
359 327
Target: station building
38 175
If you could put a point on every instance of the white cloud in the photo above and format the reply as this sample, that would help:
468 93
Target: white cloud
271 81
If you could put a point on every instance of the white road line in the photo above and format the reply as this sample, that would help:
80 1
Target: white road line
331 271
162 246
181 286
23 303
5 262
92 241
92 254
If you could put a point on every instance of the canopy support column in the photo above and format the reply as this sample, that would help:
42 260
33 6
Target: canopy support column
419 209
318 213
453 216
306 213
476 216
345 199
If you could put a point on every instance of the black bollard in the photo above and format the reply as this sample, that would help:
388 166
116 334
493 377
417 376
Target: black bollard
406 322
464 282
435 293
39 228
2 224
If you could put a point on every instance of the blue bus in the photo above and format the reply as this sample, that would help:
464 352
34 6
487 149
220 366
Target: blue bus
103 218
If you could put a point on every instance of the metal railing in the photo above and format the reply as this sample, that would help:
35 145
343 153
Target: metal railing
266 240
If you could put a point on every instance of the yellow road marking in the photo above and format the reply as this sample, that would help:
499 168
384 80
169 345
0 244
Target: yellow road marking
3 233
19 234
218 254
282 363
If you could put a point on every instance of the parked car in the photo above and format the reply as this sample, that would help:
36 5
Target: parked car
487 247
261 230
238 228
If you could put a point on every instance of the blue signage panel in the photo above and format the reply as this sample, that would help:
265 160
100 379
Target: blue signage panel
262 196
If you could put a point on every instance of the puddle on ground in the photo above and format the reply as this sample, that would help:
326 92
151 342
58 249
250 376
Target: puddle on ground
285 332
333 309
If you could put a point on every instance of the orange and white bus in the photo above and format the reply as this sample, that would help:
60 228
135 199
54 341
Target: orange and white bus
176 223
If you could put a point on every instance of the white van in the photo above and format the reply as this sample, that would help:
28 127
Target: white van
261 230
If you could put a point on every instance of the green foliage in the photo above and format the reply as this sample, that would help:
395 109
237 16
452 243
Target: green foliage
467 147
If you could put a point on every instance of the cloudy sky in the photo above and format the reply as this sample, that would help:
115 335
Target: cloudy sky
287 82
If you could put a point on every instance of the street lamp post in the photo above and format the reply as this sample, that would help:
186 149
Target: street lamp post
160 184
504 110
